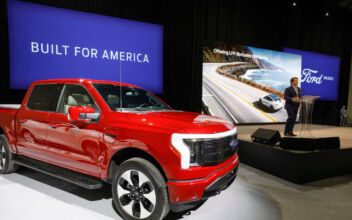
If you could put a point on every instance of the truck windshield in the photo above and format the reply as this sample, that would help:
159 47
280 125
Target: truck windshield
124 98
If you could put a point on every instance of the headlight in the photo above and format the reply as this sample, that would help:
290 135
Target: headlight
182 149
195 147
190 146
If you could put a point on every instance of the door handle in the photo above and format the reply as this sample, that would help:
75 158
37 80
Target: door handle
111 135
21 121
54 126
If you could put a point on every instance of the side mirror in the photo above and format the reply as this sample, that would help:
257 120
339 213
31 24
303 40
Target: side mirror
82 114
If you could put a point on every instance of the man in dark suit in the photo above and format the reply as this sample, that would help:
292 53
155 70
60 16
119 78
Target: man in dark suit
292 97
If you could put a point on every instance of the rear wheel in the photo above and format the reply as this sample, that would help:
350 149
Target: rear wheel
6 163
272 108
139 190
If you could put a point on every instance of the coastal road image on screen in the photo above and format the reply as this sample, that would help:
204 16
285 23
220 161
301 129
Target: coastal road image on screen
245 84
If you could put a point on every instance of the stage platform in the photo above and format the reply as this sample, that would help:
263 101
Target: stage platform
295 165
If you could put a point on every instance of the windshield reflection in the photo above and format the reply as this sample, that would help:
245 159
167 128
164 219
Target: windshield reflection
124 98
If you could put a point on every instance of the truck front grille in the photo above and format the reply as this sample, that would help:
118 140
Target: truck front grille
211 152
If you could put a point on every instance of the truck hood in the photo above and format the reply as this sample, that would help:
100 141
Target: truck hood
189 122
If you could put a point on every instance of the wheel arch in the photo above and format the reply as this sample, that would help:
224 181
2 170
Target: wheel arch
11 138
128 153
2 131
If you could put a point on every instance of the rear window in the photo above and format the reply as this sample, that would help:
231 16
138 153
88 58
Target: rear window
44 97
268 98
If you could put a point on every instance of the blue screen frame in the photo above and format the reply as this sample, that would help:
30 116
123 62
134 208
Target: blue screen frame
320 74
52 43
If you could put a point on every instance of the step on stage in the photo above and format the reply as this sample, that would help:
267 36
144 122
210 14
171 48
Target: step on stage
299 162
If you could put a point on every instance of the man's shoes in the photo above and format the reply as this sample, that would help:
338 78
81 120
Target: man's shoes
291 134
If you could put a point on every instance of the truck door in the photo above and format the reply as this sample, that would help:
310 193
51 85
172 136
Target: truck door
73 145
32 119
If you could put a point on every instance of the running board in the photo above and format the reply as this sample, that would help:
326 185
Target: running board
79 179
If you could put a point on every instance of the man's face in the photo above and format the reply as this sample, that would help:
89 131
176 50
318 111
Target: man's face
295 82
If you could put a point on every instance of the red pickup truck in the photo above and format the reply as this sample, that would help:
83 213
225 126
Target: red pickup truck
91 132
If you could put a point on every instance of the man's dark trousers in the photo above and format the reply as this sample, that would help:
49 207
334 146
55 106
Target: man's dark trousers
292 115
291 107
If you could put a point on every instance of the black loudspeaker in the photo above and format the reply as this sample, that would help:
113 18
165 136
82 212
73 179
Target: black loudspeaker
310 144
266 136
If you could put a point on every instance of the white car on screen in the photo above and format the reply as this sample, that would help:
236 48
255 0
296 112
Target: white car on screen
271 101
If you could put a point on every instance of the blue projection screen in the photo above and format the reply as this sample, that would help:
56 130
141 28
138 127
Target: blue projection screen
320 74
52 43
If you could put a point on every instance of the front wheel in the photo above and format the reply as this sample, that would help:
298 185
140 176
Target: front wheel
6 161
139 190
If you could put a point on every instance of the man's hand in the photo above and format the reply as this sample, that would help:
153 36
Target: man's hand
295 99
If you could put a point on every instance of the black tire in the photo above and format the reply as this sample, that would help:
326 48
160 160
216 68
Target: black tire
272 108
6 163
140 200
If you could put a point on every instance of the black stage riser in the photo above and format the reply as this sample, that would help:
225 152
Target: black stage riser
310 144
297 167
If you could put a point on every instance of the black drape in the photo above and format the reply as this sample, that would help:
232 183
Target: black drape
188 24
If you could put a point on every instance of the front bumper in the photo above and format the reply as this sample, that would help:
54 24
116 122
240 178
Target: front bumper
187 193
220 184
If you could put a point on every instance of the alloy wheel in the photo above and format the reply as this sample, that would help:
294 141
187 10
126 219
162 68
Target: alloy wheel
2 156
136 194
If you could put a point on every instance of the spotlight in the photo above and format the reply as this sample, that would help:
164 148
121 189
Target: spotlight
327 13
294 4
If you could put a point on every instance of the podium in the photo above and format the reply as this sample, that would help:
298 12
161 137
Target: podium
306 115
306 141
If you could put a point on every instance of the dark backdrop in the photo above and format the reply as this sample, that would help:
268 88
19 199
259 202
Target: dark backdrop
190 23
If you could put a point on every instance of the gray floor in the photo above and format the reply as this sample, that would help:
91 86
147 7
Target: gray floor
254 195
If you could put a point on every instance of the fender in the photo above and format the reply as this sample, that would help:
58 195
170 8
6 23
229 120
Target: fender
125 151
